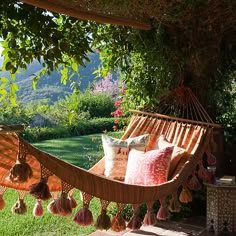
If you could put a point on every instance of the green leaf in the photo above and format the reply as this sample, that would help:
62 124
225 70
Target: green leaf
35 82
4 80
71 116
74 67
2 86
8 66
13 100
64 75
13 89
3 94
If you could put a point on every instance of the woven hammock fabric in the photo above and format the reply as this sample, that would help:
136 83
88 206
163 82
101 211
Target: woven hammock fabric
192 137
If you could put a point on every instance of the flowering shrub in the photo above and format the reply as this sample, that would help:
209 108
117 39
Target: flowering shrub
121 115
107 85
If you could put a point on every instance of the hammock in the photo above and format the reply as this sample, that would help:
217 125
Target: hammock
44 174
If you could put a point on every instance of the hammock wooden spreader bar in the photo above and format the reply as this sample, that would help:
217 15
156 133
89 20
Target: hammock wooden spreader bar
207 124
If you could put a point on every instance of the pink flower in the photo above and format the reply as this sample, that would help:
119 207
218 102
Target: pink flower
118 113
114 127
116 121
117 103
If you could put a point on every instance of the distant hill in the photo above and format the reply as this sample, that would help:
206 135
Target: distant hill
49 86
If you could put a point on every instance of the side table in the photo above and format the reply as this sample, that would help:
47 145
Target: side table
221 208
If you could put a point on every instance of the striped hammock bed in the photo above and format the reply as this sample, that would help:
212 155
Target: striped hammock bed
28 169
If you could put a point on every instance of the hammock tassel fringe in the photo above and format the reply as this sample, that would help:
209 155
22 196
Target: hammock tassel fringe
61 206
19 207
103 221
20 172
40 190
203 173
84 216
163 213
135 222
185 196
118 223
150 217
174 205
194 183
38 208
2 202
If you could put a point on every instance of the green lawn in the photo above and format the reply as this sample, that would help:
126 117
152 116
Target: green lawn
82 151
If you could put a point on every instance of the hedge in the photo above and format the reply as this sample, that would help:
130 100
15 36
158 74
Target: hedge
83 127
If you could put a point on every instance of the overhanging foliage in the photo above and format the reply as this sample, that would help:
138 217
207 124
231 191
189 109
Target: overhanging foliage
191 42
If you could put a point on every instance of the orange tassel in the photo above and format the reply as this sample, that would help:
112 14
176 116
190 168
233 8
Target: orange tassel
135 222
103 221
193 183
211 159
150 217
185 196
61 206
38 208
40 190
52 208
2 202
203 173
118 223
174 205
19 207
84 216
20 172
162 213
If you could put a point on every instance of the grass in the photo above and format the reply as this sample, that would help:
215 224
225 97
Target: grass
82 151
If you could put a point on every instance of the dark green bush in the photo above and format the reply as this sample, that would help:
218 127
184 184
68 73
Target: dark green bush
82 127
97 105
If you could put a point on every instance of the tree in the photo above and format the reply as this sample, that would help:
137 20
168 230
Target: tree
28 33
193 44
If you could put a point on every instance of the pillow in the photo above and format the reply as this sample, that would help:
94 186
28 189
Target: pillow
148 168
116 154
177 154
139 142
180 165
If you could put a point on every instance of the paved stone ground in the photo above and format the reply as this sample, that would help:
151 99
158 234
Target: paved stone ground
194 226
